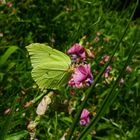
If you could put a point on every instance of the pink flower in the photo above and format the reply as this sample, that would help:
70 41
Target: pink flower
82 77
105 59
77 50
9 4
84 119
108 69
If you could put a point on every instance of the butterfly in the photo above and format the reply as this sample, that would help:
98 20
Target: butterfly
50 66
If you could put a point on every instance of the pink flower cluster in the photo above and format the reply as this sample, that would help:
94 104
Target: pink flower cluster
82 76
77 51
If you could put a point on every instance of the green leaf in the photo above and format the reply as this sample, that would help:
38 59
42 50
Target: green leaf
17 136
50 66
7 54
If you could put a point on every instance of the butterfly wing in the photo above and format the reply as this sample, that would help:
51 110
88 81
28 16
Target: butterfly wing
50 66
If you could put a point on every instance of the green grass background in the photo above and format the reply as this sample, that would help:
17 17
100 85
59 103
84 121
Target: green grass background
61 24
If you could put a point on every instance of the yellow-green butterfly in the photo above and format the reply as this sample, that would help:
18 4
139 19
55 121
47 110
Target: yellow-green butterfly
50 66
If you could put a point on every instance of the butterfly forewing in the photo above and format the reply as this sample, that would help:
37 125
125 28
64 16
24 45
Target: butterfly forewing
50 66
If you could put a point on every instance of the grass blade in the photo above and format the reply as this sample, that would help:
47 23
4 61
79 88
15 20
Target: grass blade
7 54
17 135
